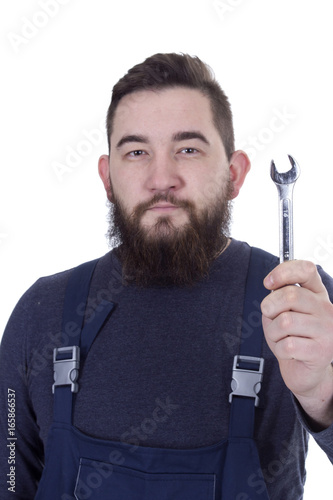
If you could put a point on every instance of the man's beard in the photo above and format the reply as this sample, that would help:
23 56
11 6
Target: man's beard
163 254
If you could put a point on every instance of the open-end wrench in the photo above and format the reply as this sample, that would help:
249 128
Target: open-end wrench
285 182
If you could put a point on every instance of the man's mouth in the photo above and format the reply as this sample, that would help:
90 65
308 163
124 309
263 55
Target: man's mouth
163 207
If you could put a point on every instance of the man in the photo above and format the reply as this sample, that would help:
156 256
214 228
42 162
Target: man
143 406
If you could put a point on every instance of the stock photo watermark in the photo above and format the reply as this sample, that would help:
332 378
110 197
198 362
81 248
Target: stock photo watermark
98 473
3 237
149 425
76 153
277 124
11 440
289 455
225 7
323 249
31 27
93 474
248 326
40 359
281 118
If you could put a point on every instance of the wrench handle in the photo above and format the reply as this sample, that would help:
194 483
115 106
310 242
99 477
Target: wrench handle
286 229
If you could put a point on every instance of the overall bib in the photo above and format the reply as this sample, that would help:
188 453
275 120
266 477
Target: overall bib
81 467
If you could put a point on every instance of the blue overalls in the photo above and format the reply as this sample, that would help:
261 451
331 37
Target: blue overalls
81 467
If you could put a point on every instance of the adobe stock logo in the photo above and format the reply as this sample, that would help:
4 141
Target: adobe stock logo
3 236
75 154
30 28
323 250
225 7
277 124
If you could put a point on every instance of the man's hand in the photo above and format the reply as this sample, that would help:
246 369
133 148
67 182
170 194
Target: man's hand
298 326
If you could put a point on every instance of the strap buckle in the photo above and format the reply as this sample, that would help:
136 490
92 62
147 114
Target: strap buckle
66 369
247 374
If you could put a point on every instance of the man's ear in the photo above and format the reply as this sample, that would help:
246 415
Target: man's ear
239 167
104 173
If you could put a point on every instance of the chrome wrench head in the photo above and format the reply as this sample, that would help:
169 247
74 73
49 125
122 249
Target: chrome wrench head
284 182
288 177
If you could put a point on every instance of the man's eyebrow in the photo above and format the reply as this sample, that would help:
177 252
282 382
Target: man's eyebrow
189 134
178 136
131 138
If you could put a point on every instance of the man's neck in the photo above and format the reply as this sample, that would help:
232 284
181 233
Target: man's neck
224 247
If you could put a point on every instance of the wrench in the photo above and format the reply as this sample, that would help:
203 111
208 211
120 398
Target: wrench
285 184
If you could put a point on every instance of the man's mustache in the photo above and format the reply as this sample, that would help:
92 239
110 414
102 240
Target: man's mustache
158 197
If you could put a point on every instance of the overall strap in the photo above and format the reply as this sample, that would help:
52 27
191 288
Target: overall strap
248 365
67 359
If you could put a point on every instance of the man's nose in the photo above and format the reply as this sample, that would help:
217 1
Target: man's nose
163 174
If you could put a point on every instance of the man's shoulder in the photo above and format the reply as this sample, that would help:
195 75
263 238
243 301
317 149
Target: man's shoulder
41 306
50 289
241 250
267 259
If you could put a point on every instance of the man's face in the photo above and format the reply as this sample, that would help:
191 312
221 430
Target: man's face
165 143
170 183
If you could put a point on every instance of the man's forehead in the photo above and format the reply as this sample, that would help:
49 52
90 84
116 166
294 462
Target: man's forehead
180 103
144 95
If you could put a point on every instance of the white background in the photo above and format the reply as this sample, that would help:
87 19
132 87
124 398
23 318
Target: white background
60 60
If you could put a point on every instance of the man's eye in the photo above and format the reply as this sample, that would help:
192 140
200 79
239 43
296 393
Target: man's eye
189 150
136 152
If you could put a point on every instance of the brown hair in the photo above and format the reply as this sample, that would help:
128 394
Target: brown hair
176 70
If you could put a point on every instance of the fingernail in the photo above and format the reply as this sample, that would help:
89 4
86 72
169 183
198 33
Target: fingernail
269 282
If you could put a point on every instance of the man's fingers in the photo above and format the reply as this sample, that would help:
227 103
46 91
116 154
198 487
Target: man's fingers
290 298
290 324
297 348
295 336
291 272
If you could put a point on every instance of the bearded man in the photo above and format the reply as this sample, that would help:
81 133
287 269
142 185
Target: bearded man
165 385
